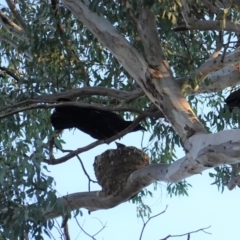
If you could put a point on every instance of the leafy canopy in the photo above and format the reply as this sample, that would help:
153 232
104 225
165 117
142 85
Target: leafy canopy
54 53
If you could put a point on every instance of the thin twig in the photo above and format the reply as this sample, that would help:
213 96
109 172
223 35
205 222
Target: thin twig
103 226
84 230
59 229
30 101
85 172
52 234
52 144
91 236
188 234
145 223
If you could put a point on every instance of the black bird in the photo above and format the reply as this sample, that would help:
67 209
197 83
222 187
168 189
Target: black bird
233 100
99 124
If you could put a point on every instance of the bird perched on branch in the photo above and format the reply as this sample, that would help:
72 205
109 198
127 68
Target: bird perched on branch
233 100
99 124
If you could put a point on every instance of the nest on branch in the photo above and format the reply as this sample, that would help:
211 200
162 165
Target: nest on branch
113 167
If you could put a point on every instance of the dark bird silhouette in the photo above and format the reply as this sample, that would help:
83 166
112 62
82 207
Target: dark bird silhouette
99 124
233 100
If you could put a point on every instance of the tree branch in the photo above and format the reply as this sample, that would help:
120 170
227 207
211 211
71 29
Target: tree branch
147 30
217 63
91 236
221 72
186 13
12 27
66 231
85 172
188 234
149 219
10 73
219 25
201 25
74 93
16 14
89 91
81 105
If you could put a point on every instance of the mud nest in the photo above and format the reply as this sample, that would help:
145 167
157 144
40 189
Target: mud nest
113 167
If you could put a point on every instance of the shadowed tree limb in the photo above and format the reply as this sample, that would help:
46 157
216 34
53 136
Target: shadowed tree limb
95 106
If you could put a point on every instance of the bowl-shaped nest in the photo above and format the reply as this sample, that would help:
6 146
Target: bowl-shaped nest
113 167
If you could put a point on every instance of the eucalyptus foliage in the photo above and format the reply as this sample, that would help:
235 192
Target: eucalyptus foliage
55 53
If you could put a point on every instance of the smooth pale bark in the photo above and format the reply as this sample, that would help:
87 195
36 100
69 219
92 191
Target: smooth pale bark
217 63
216 81
165 91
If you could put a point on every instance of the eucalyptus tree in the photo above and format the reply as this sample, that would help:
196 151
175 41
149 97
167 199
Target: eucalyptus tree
156 62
